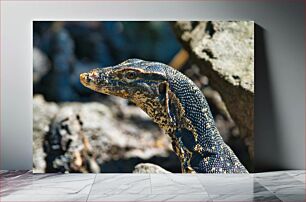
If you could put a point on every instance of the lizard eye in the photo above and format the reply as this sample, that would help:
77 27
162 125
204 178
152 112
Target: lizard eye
131 75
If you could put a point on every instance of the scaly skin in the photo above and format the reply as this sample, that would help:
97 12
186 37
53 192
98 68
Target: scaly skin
177 105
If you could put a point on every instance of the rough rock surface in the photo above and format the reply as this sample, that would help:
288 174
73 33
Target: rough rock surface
224 51
149 168
97 137
43 113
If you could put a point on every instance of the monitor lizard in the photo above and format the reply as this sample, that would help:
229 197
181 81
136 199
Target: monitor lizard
176 104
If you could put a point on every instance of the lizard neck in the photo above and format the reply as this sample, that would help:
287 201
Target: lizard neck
197 140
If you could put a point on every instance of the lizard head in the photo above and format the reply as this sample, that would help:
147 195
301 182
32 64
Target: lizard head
142 82
128 80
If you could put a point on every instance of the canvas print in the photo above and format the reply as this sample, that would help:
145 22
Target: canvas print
143 97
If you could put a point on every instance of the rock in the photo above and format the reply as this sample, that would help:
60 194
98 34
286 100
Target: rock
224 52
149 168
43 114
65 144
109 136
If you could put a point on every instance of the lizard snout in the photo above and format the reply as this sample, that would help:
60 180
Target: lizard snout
84 78
88 77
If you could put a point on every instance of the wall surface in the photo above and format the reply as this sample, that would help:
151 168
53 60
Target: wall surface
279 64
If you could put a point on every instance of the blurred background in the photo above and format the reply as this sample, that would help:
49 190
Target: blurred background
78 130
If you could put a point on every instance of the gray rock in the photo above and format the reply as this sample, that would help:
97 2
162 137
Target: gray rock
43 113
82 137
149 168
224 52
65 144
